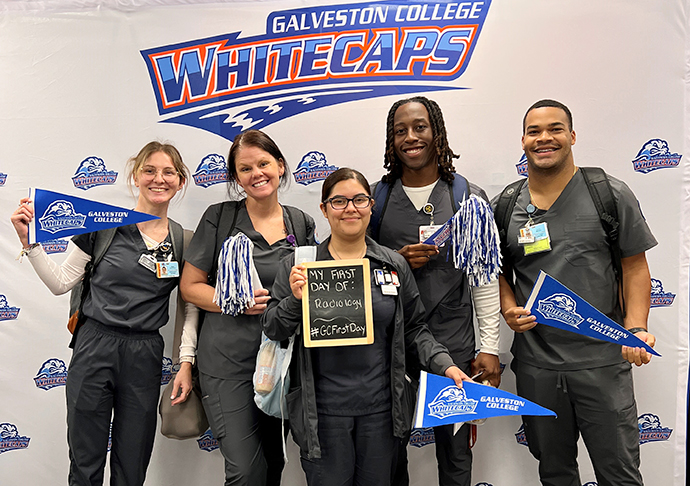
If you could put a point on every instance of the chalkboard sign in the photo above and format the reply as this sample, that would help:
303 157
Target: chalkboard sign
336 304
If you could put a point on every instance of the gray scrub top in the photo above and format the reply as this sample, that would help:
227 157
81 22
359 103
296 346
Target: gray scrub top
124 293
580 259
443 289
227 345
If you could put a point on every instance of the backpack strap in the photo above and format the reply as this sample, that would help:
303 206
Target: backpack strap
382 193
461 191
298 221
602 195
502 213
177 238
101 242
225 225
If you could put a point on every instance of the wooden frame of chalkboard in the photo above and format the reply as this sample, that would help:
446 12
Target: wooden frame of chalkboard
336 304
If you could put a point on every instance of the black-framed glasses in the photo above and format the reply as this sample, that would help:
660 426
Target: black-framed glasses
360 201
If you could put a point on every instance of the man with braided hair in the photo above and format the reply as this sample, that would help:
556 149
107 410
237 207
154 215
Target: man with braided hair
420 192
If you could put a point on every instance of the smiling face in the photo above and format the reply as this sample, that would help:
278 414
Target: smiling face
414 138
257 172
158 180
349 223
548 140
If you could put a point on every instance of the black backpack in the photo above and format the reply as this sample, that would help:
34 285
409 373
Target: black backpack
602 196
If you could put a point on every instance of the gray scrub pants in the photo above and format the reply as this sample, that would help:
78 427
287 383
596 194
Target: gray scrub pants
113 373
598 403
249 440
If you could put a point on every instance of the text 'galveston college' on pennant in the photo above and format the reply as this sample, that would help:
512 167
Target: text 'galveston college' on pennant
58 215
441 402
556 305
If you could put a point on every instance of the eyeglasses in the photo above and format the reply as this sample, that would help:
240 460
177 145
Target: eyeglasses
169 174
360 201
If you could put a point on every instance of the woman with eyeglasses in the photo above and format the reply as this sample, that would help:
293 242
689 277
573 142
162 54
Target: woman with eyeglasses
350 406
250 441
116 364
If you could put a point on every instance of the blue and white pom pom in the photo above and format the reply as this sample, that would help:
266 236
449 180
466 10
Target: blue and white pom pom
476 242
236 276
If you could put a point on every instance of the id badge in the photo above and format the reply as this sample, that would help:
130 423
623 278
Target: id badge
167 269
378 276
394 277
148 261
425 232
389 289
542 240
525 236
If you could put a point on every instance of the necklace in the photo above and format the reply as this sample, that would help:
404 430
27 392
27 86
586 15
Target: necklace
338 257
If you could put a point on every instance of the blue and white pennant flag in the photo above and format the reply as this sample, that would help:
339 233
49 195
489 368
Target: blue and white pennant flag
59 215
441 402
556 305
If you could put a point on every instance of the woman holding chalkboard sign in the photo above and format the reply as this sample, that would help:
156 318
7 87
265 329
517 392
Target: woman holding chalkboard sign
250 441
349 406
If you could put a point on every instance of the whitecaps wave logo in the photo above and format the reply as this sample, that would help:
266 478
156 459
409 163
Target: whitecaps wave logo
168 370
651 429
422 437
10 438
655 154
520 436
451 401
53 373
92 172
207 442
59 216
561 308
522 166
659 298
7 312
213 169
312 168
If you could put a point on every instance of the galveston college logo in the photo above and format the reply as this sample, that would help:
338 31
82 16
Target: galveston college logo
7 313
313 167
55 246
422 437
52 373
659 297
207 442
651 429
653 155
451 401
212 170
561 308
522 166
60 215
311 58
92 173
10 438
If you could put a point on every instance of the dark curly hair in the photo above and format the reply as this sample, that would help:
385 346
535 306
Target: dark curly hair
444 154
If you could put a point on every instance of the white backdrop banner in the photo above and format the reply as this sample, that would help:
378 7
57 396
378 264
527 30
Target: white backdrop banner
85 84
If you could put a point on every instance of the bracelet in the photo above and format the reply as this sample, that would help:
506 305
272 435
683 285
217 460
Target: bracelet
635 330
26 251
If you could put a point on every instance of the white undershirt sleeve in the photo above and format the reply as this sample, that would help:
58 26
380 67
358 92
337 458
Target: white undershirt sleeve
487 309
189 333
59 278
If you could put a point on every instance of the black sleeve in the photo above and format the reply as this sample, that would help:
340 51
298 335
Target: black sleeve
283 315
